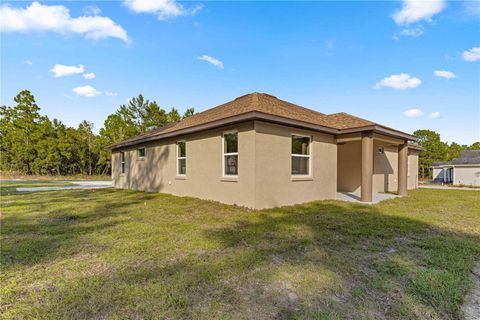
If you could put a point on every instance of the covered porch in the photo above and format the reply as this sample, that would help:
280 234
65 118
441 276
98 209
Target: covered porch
371 166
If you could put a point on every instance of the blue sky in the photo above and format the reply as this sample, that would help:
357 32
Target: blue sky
405 64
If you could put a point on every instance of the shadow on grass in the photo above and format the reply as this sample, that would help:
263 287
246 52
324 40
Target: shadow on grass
373 252
48 223
320 260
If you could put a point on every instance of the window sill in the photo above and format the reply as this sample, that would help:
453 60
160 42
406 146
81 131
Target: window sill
229 179
302 178
181 178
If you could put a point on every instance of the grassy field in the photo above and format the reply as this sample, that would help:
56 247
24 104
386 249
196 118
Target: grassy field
131 255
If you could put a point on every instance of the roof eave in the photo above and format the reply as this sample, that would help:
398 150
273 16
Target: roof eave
416 147
382 130
452 165
256 115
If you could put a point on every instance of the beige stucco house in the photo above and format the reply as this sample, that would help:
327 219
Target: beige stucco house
259 151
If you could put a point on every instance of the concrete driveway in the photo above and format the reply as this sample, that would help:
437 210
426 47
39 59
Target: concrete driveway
445 187
84 184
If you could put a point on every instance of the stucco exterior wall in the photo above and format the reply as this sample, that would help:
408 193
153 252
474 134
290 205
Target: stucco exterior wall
264 178
385 168
157 171
469 176
412 169
349 168
274 183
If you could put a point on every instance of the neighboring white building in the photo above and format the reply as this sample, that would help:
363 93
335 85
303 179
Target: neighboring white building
465 170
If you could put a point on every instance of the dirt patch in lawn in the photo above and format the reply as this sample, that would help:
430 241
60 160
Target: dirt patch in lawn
472 305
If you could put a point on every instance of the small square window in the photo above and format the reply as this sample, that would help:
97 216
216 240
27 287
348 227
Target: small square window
141 152
381 150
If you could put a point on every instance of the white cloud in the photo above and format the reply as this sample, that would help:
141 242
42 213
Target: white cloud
86 91
417 10
444 74
56 18
217 63
399 82
111 94
92 10
90 75
60 70
434 115
29 62
472 54
410 32
163 9
413 113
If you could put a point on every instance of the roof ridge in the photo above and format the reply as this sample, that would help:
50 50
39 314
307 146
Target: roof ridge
255 100
294 105
350 115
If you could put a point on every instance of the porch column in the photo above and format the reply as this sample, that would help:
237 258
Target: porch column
367 167
402 168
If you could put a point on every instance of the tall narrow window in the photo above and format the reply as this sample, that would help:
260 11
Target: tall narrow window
301 155
230 153
141 153
181 158
122 161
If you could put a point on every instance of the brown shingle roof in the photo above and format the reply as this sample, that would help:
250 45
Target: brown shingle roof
260 103
344 120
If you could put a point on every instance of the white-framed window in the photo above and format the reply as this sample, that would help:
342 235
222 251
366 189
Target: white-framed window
141 153
122 161
181 158
301 155
230 153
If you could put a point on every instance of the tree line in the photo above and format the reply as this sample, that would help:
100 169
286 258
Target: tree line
31 143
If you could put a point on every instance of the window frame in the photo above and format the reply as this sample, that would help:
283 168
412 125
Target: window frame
181 158
309 155
224 154
139 157
122 162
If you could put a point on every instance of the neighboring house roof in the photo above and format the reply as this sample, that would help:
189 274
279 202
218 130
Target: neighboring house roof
262 106
467 157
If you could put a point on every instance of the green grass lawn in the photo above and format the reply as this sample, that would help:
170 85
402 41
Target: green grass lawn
95 254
